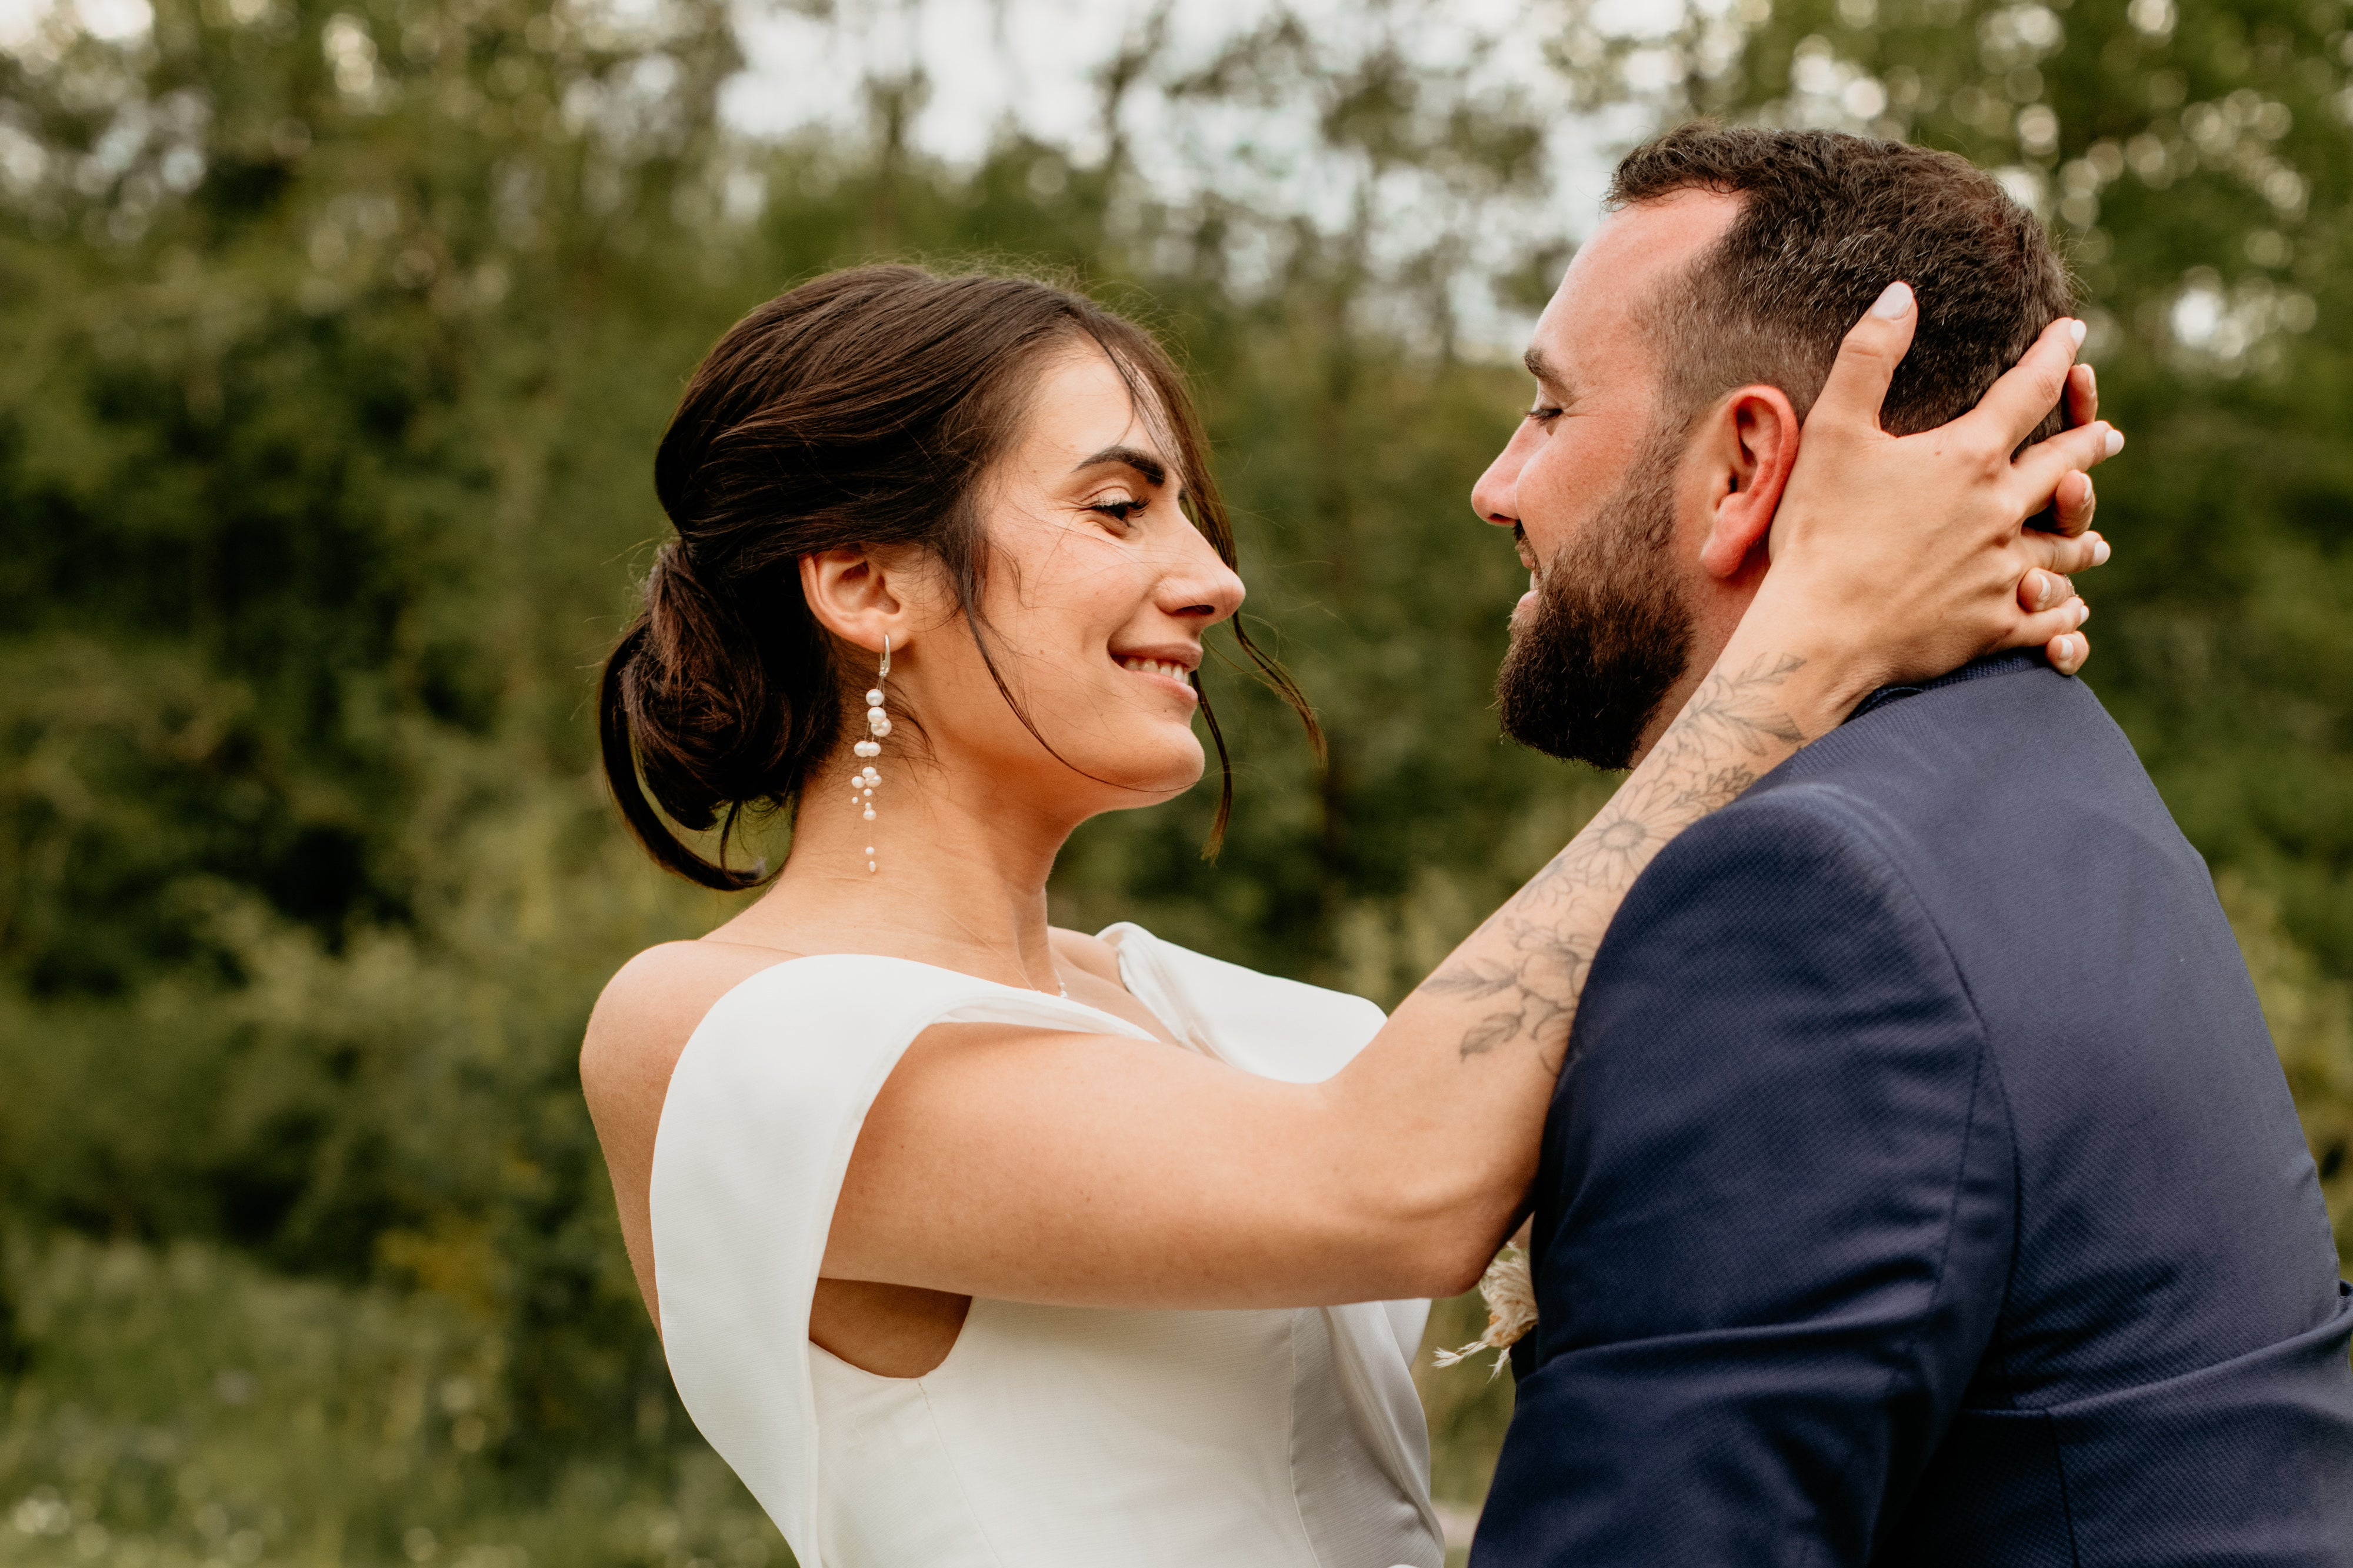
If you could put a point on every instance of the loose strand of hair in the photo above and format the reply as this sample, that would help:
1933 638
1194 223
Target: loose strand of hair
1216 839
1271 671
988 661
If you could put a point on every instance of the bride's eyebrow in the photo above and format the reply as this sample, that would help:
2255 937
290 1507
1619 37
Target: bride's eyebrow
1149 468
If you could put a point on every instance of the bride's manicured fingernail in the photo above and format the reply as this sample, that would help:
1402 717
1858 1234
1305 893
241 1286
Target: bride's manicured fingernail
2100 553
2115 441
2092 381
2083 612
2075 330
1893 301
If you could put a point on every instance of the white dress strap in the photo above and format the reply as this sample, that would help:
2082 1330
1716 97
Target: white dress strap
761 1114
1262 1024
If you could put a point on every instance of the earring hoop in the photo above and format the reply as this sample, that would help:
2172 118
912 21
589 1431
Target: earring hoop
877 725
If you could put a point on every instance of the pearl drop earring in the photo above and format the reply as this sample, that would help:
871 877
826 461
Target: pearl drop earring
877 725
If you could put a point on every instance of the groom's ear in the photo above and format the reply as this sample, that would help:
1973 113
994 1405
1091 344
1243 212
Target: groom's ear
1750 444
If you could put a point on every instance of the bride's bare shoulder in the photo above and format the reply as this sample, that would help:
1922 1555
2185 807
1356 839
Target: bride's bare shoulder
636 1033
649 1008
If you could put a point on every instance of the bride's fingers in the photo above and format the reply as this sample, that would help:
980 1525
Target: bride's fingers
2040 590
2030 389
1867 358
2068 651
2056 552
2038 629
2042 465
2082 396
2073 503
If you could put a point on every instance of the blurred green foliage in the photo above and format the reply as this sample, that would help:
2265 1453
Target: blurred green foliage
338 337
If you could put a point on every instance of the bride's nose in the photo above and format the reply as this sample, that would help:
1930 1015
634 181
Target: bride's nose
1199 585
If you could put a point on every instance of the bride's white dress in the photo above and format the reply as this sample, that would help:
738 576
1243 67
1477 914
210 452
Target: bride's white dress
1050 1437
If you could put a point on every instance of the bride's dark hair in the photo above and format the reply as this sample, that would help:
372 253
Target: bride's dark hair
858 409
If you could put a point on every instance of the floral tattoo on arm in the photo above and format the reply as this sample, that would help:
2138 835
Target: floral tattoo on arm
1536 952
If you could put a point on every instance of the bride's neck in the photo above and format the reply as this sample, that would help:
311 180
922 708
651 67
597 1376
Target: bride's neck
958 879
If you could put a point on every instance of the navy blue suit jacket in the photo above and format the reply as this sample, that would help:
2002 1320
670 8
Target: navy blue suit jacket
1923 1186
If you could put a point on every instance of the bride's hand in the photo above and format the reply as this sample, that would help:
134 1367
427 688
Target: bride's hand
1905 557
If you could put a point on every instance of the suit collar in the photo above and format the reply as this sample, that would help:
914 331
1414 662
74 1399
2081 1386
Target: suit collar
2005 663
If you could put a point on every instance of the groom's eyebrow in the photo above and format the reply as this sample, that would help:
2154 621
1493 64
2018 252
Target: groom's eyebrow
1544 370
1153 471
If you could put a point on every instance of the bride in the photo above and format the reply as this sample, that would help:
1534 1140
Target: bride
973 1241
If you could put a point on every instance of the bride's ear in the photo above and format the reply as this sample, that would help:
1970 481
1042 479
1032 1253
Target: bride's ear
852 594
1750 445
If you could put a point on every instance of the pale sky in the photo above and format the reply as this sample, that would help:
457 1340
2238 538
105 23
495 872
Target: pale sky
1029 63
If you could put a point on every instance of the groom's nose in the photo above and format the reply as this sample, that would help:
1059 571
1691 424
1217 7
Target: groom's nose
1491 498
1494 498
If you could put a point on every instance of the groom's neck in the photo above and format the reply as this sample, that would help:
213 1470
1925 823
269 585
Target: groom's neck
1716 607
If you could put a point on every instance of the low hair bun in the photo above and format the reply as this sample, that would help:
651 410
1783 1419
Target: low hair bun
689 701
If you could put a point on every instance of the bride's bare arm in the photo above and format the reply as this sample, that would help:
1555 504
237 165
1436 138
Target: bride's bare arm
1102 1171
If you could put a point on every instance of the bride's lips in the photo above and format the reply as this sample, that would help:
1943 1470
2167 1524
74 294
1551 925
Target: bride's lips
1168 668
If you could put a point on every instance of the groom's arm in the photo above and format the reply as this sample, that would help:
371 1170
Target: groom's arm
1773 1217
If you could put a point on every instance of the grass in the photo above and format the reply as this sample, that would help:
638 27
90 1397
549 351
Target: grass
182 1407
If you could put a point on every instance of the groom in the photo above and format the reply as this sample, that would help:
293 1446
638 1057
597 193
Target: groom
1922 1186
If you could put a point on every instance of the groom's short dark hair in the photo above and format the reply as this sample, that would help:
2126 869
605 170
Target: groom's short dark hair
1827 222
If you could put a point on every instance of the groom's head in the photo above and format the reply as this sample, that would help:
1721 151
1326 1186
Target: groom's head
1692 333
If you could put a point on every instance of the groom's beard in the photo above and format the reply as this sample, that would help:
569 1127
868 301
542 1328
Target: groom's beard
1608 636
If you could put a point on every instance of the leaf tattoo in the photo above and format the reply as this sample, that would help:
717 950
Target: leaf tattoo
1534 955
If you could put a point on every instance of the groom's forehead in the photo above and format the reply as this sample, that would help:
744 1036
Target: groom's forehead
1593 333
